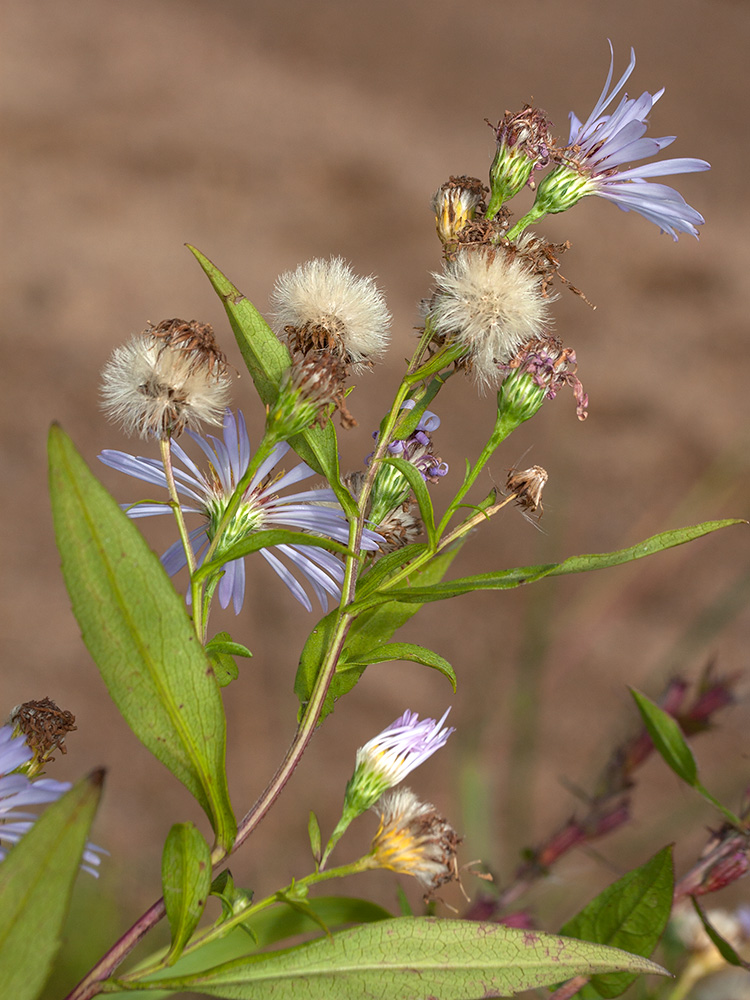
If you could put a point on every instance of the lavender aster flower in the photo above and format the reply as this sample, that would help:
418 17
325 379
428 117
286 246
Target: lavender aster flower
18 791
315 511
598 147
385 760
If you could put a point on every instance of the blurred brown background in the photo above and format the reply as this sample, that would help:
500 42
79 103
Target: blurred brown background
265 134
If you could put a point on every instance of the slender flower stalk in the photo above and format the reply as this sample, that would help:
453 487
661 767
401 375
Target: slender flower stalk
597 150
262 507
384 761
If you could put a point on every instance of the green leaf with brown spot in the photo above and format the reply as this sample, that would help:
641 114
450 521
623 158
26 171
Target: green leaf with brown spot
410 958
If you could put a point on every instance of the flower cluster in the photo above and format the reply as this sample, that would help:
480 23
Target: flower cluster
263 506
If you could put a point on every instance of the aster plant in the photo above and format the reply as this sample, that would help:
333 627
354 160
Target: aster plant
369 547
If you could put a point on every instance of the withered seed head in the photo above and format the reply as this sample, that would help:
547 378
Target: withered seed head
45 727
169 377
527 486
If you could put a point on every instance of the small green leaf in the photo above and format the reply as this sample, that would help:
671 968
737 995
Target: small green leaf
233 899
414 477
671 744
263 540
409 958
36 881
375 575
222 642
221 651
371 630
724 948
186 882
267 359
313 830
406 651
667 738
137 630
630 914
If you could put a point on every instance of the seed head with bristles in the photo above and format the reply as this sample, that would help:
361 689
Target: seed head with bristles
324 306
165 379
490 301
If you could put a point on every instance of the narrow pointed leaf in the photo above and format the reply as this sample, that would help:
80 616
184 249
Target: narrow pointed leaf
137 630
507 579
724 948
36 881
186 883
408 651
414 477
630 914
263 540
674 749
371 630
414 959
313 832
267 359
667 737
223 643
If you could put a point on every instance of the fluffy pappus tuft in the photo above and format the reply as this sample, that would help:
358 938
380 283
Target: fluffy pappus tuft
324 306
489 300
157 385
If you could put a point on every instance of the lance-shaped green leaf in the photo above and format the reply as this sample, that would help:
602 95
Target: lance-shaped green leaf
667 738
390 651
36 880
414 477
313 832
630 914
137 630
366 635
263 540
409 958
186 882
673 748
507 579
267 359
724 948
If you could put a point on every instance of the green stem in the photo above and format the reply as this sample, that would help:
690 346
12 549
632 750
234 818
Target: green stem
505 424
296 890
533 215
195 589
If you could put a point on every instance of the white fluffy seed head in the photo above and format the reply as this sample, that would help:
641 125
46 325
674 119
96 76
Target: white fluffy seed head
323 305
156 390
490 301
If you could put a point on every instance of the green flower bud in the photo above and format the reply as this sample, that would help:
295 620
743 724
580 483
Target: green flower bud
523 143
